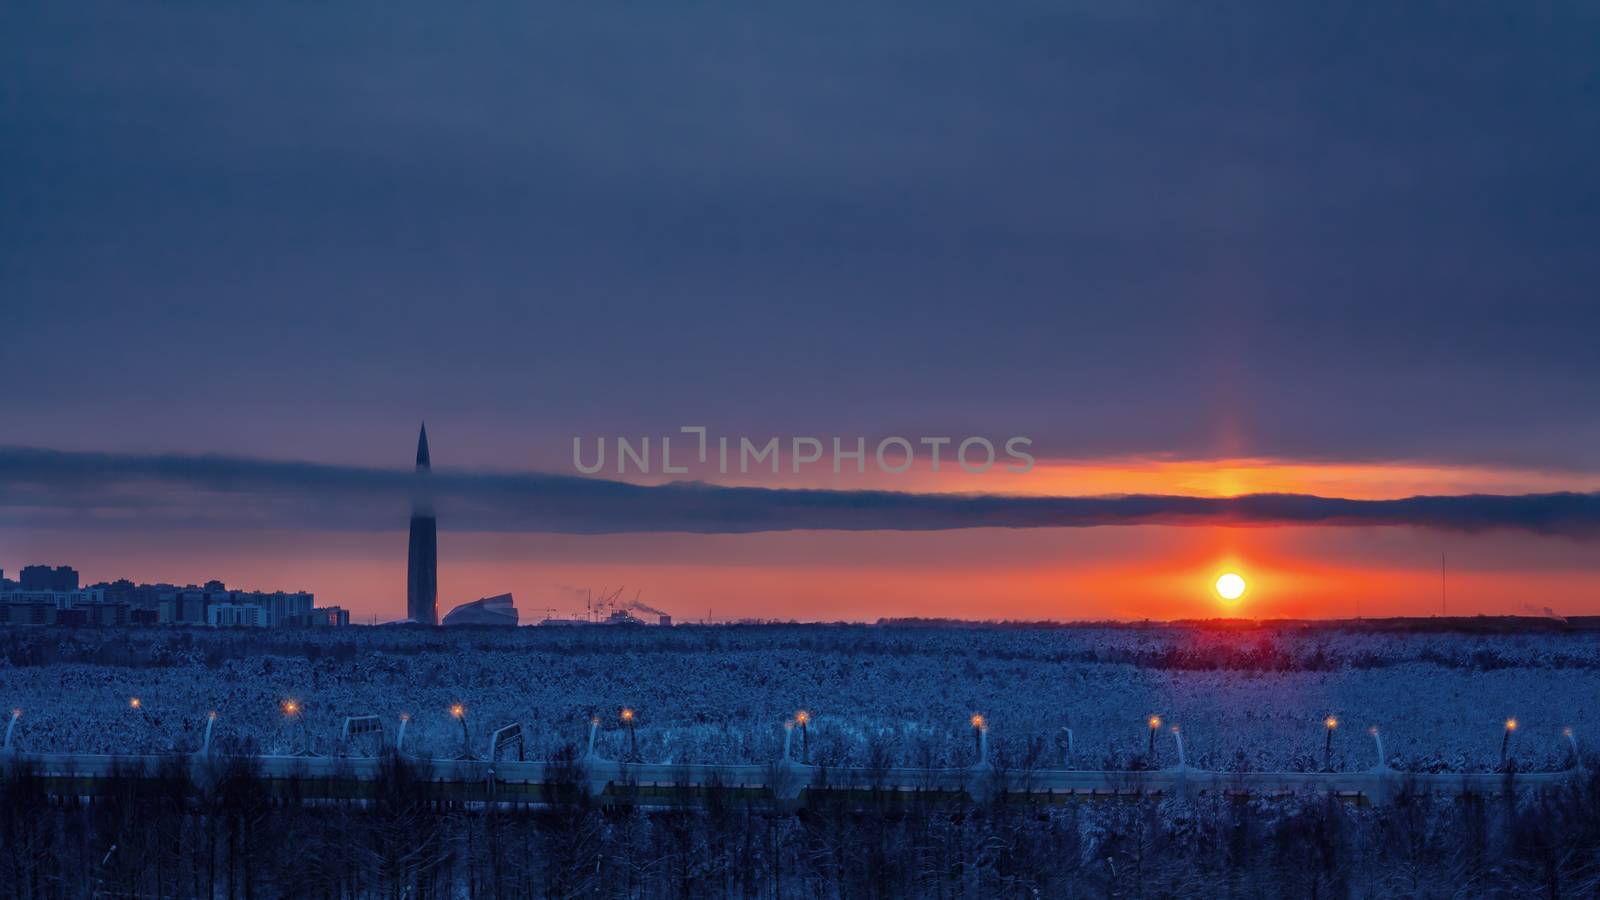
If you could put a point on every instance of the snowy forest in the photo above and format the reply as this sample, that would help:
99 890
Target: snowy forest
1249 699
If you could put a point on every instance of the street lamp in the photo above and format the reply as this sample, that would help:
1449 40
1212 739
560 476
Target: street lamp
134 703
291 711
400 736
1505 742
1150 748
627 717
1327 745
1377 738
979 726
803 718
460 714
12 726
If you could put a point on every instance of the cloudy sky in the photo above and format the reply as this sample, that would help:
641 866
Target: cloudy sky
1188 250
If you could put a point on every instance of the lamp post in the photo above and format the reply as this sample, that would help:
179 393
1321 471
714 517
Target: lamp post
1064 746
803 719
460 713
1330 723
211 723
1577 760
1150 748
1505 742
627 717
400 736
291 711
10 727
1183 759
1377 738
979 726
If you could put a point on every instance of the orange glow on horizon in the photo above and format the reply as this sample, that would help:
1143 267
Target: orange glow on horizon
1221 477
1124 573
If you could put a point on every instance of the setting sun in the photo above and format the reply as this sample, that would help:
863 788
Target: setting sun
1230 586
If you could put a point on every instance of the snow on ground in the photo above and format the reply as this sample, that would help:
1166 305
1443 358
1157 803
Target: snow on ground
1245 700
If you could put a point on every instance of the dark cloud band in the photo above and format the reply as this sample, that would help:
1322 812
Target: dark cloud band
48 488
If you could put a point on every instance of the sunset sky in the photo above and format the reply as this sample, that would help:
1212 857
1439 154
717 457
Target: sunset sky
1187 251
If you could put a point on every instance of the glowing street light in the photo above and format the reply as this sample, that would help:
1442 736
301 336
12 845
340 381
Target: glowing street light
627 717
134 703
1150 749
1327 746
291 711
1505 742
803 718
980 726
460 713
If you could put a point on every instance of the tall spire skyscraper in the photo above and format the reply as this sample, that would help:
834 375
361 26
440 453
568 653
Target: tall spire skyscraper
422 561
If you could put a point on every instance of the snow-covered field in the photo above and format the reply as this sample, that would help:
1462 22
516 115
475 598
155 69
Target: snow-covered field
1253 699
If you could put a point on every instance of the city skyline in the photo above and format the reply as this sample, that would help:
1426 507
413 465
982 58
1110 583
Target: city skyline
621 518
1188 253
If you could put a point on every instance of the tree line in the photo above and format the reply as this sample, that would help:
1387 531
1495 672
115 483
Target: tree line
240 836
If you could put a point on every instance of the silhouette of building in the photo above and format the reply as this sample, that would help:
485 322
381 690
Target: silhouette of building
497 610
122 602
44 578
422 559
326 617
